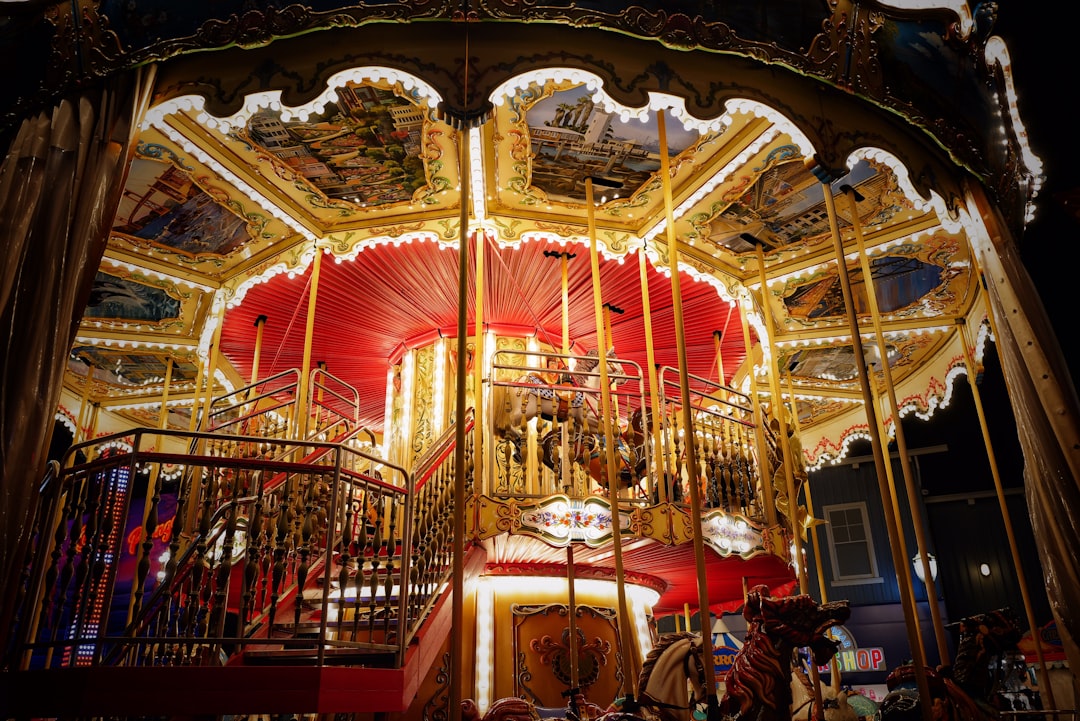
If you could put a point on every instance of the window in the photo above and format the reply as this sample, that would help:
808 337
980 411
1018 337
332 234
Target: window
851 548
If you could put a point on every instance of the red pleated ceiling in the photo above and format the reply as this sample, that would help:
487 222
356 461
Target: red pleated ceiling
390 295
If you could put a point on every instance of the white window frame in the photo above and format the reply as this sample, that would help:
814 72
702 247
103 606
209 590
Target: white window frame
873 576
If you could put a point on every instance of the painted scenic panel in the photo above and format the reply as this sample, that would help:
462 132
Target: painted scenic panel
121 299
366 148
163 205
783 204
573 138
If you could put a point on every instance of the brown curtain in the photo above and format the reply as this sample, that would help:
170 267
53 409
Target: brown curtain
60 184
1044 402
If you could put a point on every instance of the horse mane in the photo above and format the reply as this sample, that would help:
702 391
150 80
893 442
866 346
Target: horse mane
754 674
657 660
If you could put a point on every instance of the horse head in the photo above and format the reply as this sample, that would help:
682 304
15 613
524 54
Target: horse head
758 685
662 684
981 640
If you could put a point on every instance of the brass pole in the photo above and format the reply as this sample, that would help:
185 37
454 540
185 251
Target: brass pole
969 363
478 354
717 337
608 310
571 612
82 423
609 445
302 400
260 324
211 371
688 420
457 606
911 618
651 426
784 449
572 643
782 445
767 493
913 499
814 539
196 394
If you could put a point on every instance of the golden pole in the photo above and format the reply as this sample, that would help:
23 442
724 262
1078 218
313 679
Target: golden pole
571 572
612 471
911 617
814 539
82 423
608 310
767 493
302 411
457 606
651 426
717 337
688 421
478 354
783 447
196 394
260 324
913 499
969 363
211 371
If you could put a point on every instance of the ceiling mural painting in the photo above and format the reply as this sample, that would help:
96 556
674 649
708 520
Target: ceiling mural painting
573 137
365 149
911 279
117 300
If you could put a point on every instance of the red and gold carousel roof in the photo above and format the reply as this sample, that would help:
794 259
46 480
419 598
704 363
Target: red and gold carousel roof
225 214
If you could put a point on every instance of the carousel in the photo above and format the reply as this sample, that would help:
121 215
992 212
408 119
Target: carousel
424 367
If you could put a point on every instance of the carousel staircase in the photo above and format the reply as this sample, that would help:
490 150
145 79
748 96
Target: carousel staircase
305 576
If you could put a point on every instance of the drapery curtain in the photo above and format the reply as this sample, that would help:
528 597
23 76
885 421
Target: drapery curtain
60 184
1044 401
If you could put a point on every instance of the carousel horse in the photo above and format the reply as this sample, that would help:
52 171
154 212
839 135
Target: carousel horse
534 396
758 686
759 683
969 690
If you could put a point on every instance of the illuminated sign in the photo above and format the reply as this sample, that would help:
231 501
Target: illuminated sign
850 658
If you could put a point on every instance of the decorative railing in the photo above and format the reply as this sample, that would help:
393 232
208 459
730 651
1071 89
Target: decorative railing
724 444
321 551
547 431
535 425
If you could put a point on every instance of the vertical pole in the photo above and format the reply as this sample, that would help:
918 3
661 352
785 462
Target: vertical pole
478 353
913 499
457 605
625 636
688 420
302 400
717 337
767 494
564 440
82 423
969 363
651 426
783 447
260 324
779 414
196 394
815 541
911 617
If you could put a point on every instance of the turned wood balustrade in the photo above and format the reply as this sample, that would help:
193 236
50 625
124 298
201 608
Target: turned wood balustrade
251 543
